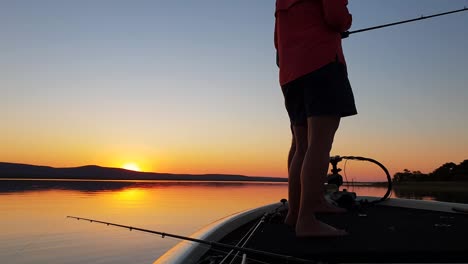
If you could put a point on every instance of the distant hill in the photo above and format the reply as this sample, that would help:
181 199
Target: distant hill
92 172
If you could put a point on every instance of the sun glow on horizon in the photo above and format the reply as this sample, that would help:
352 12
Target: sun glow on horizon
131 166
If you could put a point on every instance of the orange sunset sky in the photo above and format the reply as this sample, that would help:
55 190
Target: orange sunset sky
197 91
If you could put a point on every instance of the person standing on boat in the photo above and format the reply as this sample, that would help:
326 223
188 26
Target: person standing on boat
317 92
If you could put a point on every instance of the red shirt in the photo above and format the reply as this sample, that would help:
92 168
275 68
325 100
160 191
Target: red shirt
307 35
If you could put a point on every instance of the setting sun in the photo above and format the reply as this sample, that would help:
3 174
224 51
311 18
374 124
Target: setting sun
131 166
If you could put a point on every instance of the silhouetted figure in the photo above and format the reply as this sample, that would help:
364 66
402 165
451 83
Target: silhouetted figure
317 93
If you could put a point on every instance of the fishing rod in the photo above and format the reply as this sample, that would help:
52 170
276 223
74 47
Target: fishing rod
347 33
210 243
247 237
244 240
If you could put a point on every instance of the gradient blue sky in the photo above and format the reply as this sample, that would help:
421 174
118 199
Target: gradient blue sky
191 86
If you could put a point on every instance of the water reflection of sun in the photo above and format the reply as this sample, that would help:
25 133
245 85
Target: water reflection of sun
131 195
131 166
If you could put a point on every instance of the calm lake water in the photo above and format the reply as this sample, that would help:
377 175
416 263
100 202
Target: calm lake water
34 227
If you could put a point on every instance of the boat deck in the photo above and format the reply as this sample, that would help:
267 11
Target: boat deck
377 233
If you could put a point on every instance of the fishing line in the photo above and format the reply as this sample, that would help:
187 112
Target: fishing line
255 227
242 241
221 251
245 239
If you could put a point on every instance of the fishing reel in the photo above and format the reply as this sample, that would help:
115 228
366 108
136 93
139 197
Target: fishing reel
342 198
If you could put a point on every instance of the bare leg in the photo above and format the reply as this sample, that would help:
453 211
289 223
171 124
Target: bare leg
321 132
294 172
292 150
317 125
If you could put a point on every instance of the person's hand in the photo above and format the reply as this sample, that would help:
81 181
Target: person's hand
277 59
344 34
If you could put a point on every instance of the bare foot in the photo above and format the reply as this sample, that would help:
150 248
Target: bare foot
316 228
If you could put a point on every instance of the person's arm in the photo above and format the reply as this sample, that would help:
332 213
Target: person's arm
276 35
337 15
276 44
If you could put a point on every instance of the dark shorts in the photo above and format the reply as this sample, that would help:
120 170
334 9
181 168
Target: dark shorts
324 92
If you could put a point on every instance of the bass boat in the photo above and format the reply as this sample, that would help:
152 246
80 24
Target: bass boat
381 230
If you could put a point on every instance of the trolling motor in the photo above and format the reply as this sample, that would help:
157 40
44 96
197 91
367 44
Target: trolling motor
343 198
335 178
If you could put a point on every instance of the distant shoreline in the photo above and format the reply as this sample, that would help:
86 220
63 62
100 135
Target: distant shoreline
433 186
424 187
415 184
15 171
255 179
137 180
426 183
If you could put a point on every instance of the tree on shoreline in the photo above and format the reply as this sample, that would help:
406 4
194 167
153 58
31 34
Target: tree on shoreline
447 172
